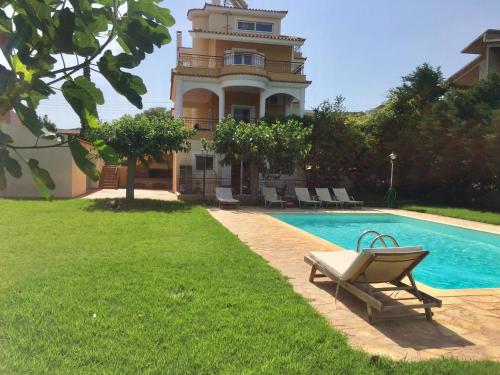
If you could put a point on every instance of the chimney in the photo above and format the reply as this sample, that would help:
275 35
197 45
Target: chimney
215 2
179 39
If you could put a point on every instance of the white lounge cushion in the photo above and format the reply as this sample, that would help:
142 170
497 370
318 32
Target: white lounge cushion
336 262
347 264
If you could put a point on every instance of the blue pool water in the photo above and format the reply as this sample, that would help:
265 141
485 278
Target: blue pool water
459 258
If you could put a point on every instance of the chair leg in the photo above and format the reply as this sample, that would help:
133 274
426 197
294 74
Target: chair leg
337 290
312 275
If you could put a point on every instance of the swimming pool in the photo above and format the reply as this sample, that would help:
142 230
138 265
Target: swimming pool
459 258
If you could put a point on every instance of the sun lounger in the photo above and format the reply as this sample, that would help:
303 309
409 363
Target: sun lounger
355 272
304 198
224 197
325 198
271 197
344 198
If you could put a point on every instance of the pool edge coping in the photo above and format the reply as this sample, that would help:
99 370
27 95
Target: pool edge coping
335 247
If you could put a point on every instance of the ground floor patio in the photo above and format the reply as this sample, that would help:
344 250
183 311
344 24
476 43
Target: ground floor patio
466 327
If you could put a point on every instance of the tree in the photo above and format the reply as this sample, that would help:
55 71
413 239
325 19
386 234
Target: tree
136 138
50 44
336 145
269 146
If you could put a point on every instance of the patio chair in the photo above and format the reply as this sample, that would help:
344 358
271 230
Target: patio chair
325 198
271 196
344 198
224 197
304 198
355 272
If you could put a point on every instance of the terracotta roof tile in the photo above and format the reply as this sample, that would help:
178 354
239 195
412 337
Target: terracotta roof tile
249 9
277 37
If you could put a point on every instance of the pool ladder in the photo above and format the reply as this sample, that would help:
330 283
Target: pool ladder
379 237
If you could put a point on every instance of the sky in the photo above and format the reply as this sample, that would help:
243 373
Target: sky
359 49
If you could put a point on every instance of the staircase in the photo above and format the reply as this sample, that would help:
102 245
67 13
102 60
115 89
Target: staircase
109 177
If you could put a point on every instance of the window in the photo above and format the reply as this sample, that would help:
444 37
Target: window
243 114
242 59
255 26
201 160
264 27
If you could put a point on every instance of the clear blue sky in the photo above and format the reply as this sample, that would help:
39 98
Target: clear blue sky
359 49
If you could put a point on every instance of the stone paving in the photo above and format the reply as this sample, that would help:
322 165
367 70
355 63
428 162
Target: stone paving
161 195
466 327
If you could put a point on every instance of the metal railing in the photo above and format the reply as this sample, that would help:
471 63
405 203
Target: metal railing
240 59
196 185
202 124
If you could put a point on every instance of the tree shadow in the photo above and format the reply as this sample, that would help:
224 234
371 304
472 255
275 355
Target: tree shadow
417 334
139 205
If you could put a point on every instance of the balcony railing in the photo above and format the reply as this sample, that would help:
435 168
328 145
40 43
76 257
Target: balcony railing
203 124
240 59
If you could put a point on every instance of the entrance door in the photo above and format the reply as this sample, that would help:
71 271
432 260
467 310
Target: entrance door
243 113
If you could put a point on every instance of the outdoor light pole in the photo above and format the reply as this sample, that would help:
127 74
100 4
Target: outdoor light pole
391 193
393 157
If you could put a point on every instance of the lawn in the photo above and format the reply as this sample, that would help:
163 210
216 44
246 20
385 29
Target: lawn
460 213
158 288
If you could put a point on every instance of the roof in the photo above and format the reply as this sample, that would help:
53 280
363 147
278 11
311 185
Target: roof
250 35
477 46
68 131
466 69
220 8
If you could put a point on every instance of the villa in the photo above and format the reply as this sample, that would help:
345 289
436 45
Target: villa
487 47
240 64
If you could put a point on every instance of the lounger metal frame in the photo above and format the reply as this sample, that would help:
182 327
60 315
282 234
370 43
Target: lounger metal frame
367 293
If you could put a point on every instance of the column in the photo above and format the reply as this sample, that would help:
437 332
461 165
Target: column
222 104
302 102
262 105
179 109
179 99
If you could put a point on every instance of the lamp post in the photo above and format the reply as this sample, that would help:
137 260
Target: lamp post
393 158
391 193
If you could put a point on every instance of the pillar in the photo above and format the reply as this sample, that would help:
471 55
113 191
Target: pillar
262 105
179 111
222 104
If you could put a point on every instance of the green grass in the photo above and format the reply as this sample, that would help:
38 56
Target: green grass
158 288
460 213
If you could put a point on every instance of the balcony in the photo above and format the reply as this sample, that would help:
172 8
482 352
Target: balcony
240 59
200 124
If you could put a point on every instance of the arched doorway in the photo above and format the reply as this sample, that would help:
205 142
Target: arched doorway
281 105
200 109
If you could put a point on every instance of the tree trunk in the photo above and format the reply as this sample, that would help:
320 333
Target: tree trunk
131 163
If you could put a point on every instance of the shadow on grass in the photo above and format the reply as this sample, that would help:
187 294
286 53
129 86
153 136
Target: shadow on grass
139 205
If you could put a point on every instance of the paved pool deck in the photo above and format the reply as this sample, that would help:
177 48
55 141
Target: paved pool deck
467 327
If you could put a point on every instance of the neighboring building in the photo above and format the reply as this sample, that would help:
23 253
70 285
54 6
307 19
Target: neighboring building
240 64
487 47
69 179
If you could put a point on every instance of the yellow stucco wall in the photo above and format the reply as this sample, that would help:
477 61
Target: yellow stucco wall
69 180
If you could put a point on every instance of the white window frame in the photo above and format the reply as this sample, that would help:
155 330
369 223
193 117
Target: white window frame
251 108
206 156
255 26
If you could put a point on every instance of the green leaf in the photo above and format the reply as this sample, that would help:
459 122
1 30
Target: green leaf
5 138
63 38
150 10
21 69
107 153
83 96
129 85
41 178
81 158
11 165
29 118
